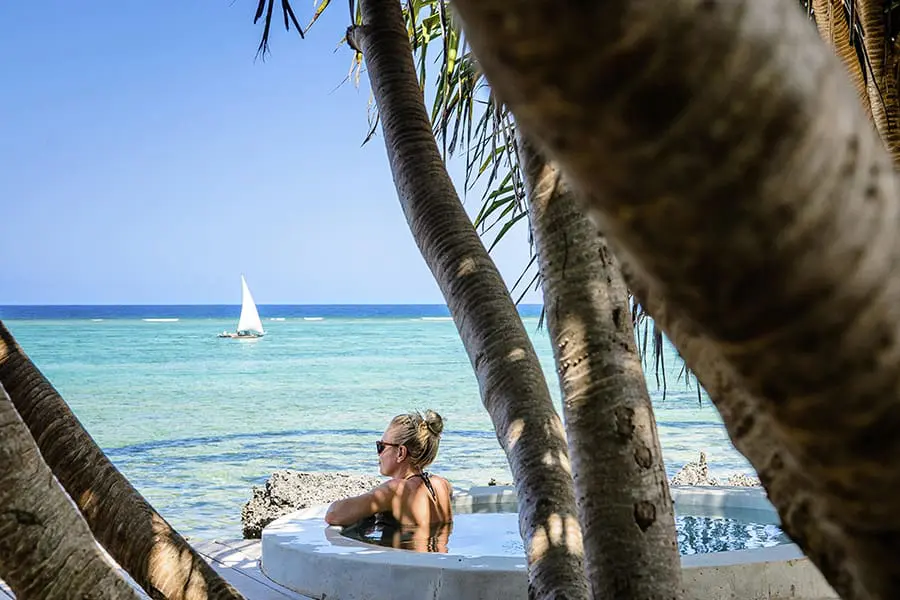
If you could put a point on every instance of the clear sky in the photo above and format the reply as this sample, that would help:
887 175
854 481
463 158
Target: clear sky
146 157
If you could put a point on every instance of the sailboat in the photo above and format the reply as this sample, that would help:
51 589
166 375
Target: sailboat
249 324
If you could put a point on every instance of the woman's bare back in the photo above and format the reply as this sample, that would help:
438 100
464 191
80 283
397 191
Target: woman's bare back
422 499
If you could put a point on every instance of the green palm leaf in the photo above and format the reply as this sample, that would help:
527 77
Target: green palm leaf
466 116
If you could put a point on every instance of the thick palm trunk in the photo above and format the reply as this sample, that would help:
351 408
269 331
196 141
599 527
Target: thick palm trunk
622 493
756 436
133 533
757 197
512 384
46 548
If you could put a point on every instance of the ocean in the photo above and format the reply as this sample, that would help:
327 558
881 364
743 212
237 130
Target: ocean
195 421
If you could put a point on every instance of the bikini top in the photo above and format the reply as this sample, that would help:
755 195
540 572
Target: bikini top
426 479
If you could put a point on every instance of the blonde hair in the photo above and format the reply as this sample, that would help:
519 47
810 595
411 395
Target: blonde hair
420 434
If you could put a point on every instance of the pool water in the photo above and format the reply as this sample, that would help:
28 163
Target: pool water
497 534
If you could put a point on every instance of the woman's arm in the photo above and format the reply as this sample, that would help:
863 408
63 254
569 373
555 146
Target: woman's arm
351 510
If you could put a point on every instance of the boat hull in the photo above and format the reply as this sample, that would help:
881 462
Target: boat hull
241 335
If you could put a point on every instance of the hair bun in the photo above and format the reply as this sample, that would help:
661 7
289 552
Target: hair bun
434 422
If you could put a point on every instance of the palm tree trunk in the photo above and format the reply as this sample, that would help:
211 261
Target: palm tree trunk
512 383
835 31
46 548
881 84
758 198
622 493
133 533
756 436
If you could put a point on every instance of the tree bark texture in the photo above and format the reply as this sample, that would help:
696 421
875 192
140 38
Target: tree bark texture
721 146
835 31
133 533
513 387
756 436
47 551
622 492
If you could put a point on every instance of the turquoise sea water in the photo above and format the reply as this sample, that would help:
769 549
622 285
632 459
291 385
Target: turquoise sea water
195 421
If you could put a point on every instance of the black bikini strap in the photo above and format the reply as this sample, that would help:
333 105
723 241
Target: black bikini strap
426 479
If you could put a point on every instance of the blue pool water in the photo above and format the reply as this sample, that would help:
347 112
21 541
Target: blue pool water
696 534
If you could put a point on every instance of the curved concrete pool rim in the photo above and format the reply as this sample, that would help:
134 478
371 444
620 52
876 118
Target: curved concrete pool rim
301 552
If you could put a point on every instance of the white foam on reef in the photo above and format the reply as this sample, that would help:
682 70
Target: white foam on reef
159 320
276 318
96 320
313 318
437 318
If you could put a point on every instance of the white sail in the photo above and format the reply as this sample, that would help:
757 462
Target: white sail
249 320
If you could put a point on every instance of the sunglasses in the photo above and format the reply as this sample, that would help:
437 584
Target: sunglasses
380 446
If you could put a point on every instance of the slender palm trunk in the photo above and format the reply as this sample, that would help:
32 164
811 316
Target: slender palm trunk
512 384
622 493
133 533
46 548
759 199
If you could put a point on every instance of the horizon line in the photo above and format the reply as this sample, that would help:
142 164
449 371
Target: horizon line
258 304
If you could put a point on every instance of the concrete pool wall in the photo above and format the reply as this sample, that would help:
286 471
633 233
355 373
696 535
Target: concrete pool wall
301 552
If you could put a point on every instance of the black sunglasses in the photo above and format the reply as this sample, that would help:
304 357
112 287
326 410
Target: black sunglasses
380 446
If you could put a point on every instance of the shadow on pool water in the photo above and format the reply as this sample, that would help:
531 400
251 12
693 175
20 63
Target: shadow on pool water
496 533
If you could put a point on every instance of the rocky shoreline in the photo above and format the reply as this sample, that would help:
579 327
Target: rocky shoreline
697 473
286 491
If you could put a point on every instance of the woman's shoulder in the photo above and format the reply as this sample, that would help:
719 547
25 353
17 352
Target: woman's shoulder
387 489
439 481
440 478
392 485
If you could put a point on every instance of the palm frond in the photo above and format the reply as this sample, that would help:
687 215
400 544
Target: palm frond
466 116
268 7
323 4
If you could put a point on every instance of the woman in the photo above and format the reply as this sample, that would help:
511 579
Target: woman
412 497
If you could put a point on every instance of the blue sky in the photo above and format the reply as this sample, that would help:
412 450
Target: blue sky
147 157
